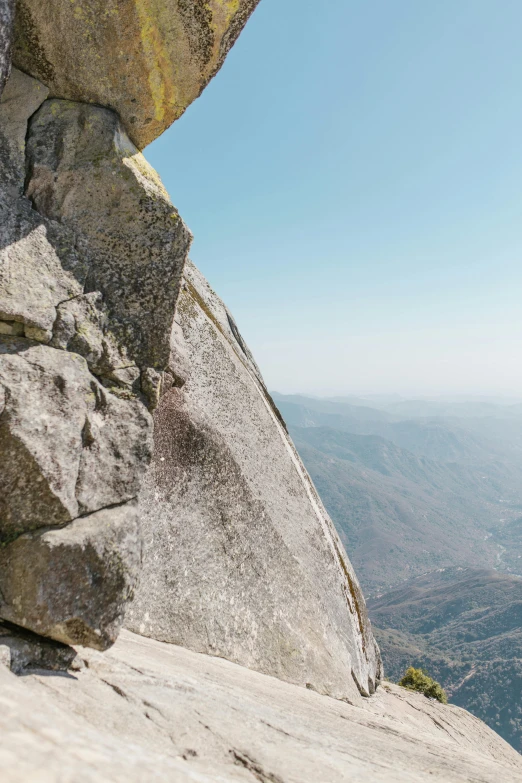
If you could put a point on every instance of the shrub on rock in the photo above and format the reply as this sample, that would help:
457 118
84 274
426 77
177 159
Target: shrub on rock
419 680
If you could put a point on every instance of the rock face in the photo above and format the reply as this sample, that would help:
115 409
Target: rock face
72 584
22 651
97 330
147 711
75 361
146 60
73 446
84 172
240 558
6 25
102 321
111 267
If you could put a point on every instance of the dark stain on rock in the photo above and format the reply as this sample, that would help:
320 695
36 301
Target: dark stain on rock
197 21
27 40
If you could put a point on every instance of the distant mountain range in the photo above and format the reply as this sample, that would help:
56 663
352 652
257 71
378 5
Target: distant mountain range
470 438
427 498
464 626
409 496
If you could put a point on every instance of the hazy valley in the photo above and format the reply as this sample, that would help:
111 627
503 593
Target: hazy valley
427 497
464 626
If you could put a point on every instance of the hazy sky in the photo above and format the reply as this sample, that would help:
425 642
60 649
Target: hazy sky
353 179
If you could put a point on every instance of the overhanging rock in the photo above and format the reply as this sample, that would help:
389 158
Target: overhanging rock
146 60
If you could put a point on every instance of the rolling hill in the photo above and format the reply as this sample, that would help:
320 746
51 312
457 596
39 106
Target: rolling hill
470 440
399 514
464 626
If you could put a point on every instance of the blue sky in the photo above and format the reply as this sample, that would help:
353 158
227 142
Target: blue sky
353 180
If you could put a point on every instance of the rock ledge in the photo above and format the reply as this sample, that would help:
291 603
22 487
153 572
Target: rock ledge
151 711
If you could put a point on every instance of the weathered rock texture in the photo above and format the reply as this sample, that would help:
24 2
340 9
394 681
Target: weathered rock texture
147 711
73 583
240 558
6 25
146 60
84 172
23 651
78 359
73 447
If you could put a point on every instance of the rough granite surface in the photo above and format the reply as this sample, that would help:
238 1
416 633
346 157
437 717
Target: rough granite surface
40 262
23 651
73 583
73 447
75 433
84 172
147 711
146 60
240 558
22 96
6 26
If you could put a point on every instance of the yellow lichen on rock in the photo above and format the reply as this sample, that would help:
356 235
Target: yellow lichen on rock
160 72
146 59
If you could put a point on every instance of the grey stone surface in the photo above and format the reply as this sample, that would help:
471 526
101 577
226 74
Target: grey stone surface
23 651
179 359
30 292
49 295
84 172
71 447
75 434
40 262
240 558
21 97
82 326
148 61
6 28
147 711
72 584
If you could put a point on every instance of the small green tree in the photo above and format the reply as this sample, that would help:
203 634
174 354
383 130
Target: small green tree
419 680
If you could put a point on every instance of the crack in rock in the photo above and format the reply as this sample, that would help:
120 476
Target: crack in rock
244 760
